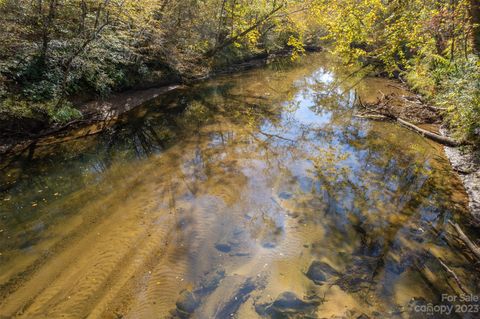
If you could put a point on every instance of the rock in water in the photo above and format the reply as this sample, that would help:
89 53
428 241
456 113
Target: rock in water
359 275
223 247
229 296
319 272
186 304
288 305
233 304
188 301
209 282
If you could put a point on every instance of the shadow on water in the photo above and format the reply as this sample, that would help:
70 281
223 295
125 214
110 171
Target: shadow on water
257 195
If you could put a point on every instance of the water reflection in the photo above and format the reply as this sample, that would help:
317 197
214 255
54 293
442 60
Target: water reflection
256 195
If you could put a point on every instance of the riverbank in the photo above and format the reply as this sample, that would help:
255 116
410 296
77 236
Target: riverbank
402 103
107 110
96 111
464 159
466 162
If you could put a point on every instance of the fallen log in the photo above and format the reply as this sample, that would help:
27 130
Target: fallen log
375 117
435 137
453 275
473 248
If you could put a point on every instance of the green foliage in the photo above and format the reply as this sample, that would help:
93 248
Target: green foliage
428 42
425 73
297 46
54 49
63 114
20 109
11 108
451 85
459 92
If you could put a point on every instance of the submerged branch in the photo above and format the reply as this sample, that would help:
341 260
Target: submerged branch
276 136
454 275
464 238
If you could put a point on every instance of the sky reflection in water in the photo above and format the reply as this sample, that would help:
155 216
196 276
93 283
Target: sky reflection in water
258 195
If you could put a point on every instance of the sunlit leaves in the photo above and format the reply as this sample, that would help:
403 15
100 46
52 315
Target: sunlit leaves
297 46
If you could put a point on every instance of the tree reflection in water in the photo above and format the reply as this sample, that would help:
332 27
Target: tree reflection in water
212 183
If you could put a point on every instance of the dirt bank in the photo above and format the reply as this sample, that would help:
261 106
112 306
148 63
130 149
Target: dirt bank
93 112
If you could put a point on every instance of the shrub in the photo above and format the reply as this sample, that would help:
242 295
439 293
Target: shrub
64 113
454 86
459 91
16 108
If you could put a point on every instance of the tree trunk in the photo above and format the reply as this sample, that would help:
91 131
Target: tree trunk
221 34
232 39
475 14
46 30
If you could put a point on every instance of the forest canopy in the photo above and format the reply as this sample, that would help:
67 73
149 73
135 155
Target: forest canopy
56 53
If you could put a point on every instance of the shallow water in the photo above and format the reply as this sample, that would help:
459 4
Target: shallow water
256 195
